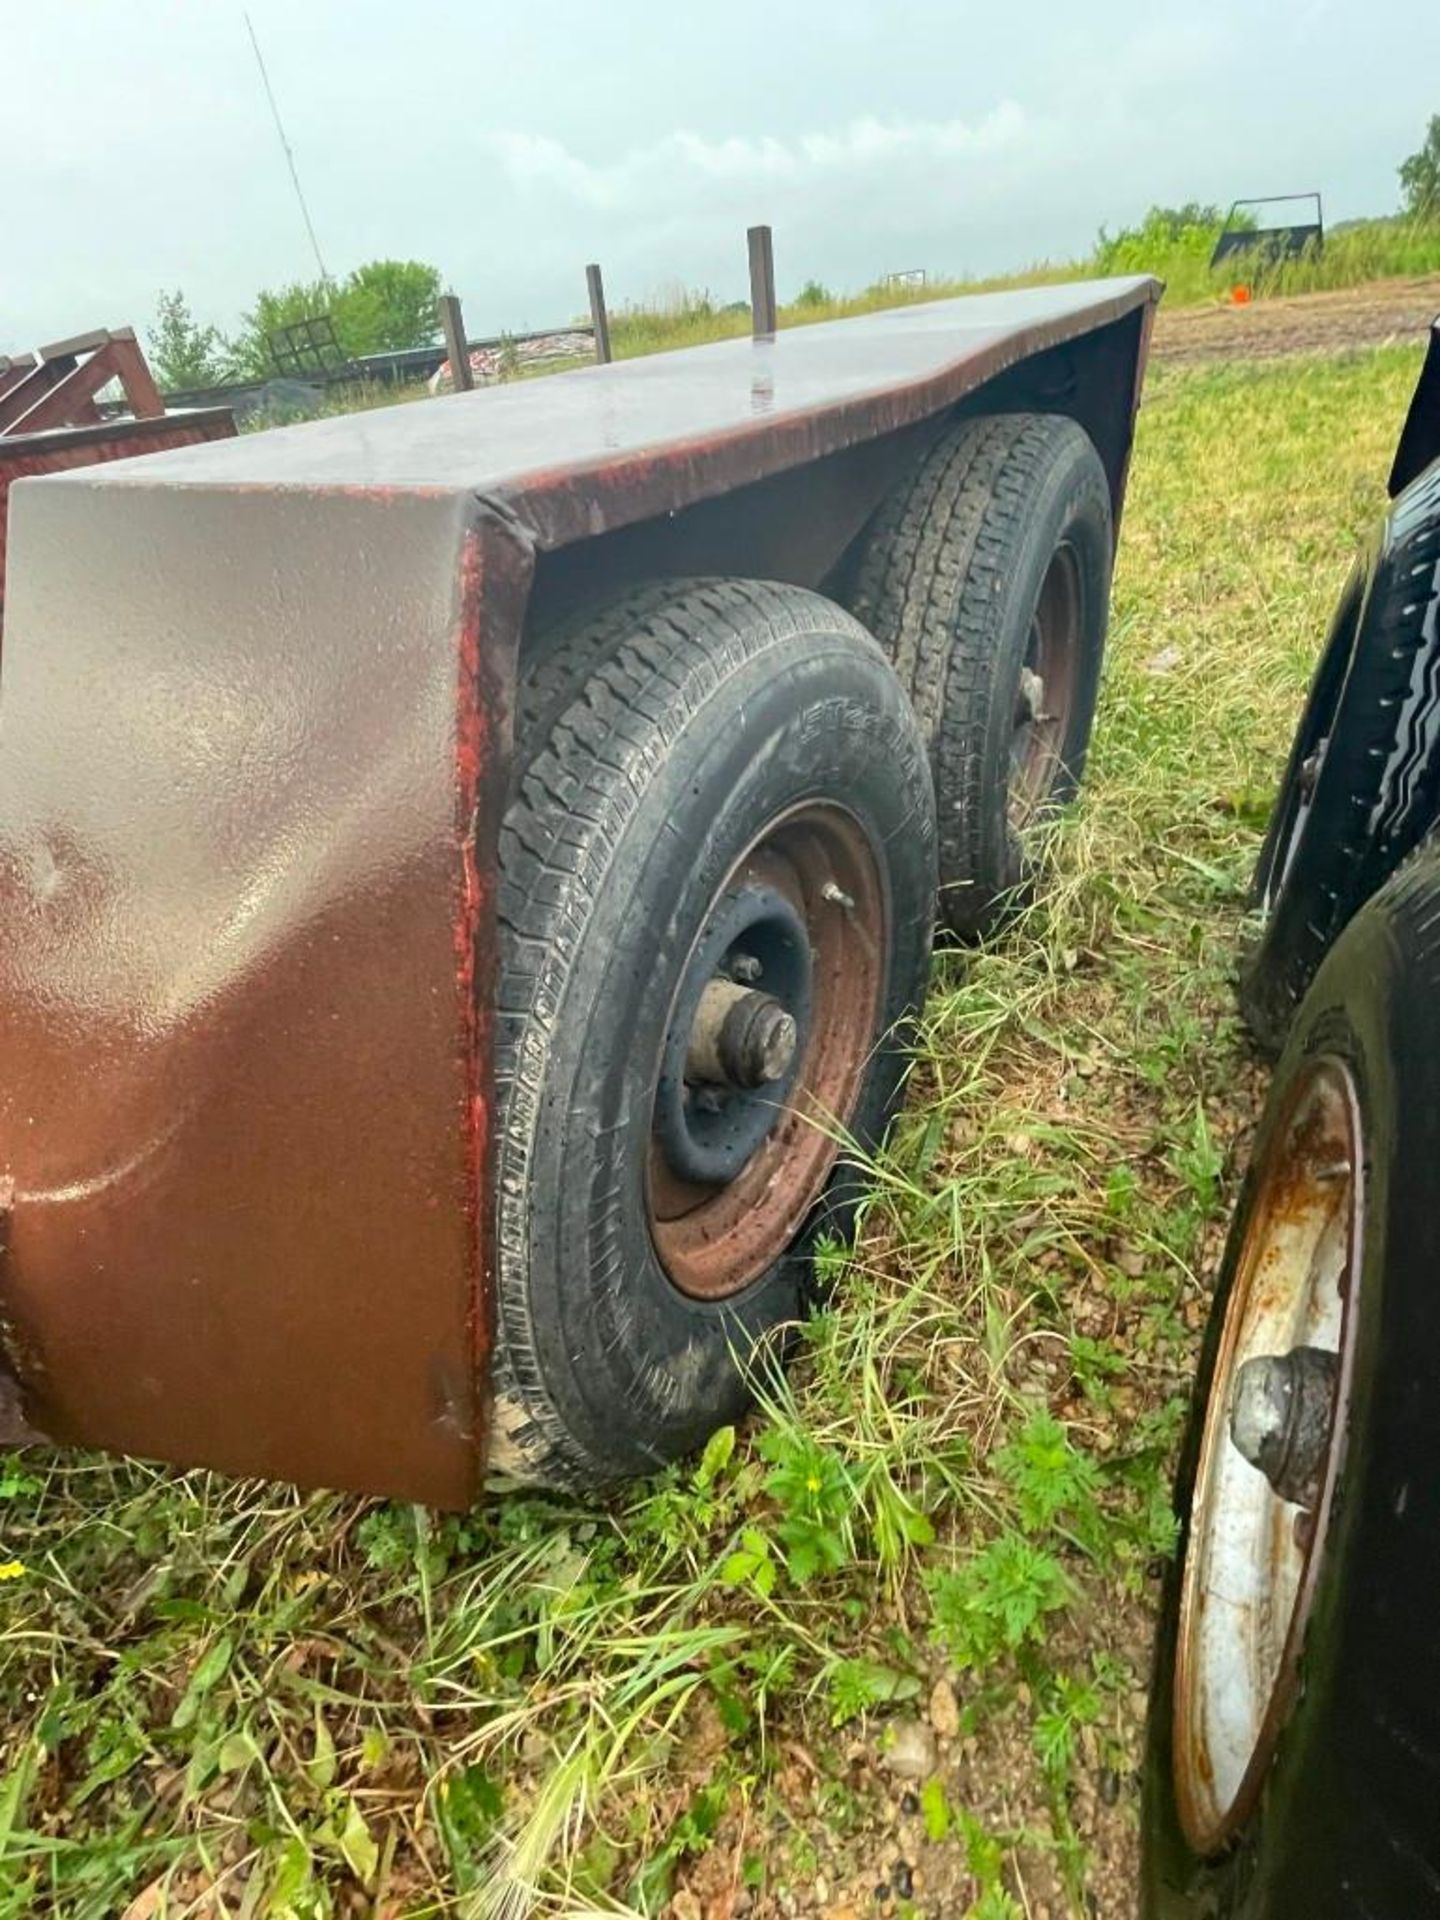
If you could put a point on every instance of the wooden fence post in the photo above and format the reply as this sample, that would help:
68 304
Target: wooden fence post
457 348
762 283
599 318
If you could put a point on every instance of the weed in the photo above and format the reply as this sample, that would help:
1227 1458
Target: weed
997 1600
220 1696
856 1686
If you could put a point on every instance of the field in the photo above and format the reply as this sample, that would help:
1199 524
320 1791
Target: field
1381 314
1384 264
884 1650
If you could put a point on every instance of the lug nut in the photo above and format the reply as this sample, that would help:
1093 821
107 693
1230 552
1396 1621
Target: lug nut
745 968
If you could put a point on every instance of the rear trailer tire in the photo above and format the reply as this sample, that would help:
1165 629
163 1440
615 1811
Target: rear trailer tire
716 899
986 578
1362 785
1293 1763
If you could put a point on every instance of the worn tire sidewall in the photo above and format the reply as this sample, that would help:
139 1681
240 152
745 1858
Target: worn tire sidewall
1322 704
1071 503
1321 1825
641 1372
1275 968
1378 791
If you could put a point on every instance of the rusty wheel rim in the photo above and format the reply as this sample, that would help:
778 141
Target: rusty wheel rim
716 1237
1254 1556
1046 693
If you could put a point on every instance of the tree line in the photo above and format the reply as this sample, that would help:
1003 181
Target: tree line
383 306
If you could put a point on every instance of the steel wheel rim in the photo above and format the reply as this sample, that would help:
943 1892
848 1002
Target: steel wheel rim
1046 694
715 1240
1253 1558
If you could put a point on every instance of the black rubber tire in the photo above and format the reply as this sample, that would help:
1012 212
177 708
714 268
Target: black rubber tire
1370 739
948 578
1347 1826
689 715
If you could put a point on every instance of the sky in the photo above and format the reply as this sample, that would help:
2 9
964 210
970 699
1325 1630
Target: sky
510 144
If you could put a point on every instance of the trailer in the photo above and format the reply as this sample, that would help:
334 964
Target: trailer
466 869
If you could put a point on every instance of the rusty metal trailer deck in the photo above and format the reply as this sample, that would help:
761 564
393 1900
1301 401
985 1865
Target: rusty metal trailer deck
257 706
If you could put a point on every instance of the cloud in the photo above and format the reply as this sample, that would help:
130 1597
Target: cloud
682 162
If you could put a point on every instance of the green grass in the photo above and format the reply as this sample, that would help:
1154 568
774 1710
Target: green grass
1352 256
687 318
229 1698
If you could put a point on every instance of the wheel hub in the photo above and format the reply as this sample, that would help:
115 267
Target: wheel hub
1046 690
731 1048
1269 1455
741 1038
1281 1419
770 1031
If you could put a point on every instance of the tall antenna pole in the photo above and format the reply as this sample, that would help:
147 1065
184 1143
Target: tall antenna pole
289 156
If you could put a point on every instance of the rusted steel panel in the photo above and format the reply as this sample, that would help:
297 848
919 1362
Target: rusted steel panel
56 386
599 447
256 703
27 455
69 399
14 373
247 812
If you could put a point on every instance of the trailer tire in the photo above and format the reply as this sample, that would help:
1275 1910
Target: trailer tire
1333 1815
1362 785
986 578
720 782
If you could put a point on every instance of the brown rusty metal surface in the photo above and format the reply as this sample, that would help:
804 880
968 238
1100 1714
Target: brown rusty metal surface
600 447
58 386
245 974
256 703
24 456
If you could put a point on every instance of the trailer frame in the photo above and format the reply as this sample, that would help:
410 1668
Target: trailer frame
258 703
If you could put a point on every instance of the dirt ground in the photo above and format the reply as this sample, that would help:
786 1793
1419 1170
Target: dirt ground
1384 313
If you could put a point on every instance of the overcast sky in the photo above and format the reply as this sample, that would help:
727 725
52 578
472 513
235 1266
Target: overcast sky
510 143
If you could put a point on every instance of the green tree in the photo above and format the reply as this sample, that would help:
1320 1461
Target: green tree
1175 222
384 306
182 352
276 307
1420 175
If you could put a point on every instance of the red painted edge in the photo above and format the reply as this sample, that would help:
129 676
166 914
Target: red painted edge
495 574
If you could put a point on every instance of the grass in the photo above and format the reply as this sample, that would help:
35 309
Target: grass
221 1698
1354 255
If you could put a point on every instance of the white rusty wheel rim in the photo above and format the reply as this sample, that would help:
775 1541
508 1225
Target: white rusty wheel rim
1250 1572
